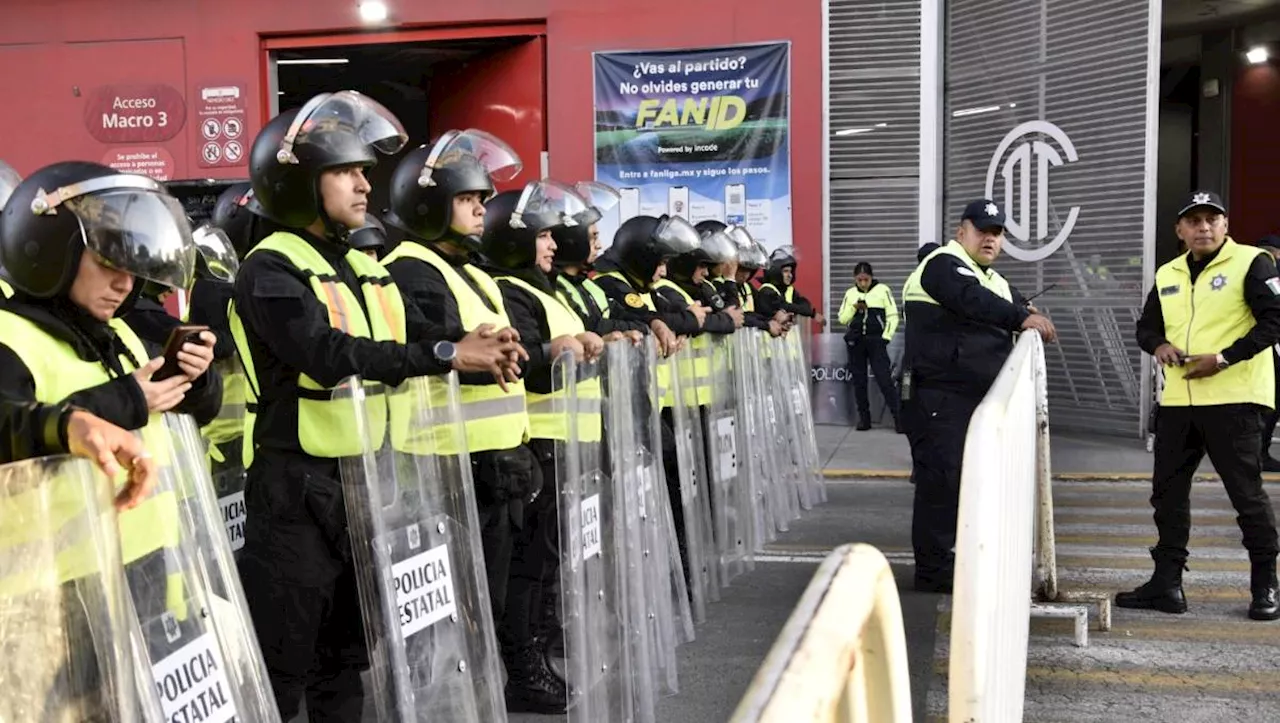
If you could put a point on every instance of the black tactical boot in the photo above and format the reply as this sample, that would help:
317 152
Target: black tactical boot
1163 591
1265 589
897 425
531 686
864 422
551 634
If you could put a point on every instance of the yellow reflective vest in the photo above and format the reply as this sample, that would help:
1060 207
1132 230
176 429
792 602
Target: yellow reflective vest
1207 317
494 419
992 281
549 413
695 372
877 297
666 393
58 372
5 289
328 427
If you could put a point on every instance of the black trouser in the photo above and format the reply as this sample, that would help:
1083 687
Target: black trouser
535 554
936 422
301 586
864 350
1272 415
1230 433
671 466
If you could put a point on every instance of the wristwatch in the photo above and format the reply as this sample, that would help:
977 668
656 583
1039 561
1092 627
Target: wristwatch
445 352
1222 362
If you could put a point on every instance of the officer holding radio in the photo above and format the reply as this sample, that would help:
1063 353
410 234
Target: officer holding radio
1211 320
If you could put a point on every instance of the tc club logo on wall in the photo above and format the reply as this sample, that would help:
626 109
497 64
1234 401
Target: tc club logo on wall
1027 159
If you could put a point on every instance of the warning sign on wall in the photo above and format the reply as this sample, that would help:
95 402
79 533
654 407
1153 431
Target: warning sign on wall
220 114
154 162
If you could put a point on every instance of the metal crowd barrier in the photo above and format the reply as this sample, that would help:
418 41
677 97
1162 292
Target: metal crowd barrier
842 656
1005 531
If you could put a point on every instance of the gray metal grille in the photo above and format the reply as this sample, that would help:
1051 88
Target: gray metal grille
1080 65
875 141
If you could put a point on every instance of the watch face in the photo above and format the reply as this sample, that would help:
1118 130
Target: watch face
445 351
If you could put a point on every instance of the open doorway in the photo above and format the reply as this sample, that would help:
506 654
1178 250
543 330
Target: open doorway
494 83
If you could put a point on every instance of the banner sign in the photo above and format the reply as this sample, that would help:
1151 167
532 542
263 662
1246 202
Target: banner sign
702 134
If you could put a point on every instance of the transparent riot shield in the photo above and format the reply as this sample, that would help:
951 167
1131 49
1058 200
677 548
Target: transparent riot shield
593 547
733 508
775 372
693 507
194 641
225 436
415 539
65 619
802 409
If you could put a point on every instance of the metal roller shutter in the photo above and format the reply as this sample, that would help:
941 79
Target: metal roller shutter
875 141
1081 66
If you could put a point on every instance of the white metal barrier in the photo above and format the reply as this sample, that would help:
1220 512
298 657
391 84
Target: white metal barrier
842 656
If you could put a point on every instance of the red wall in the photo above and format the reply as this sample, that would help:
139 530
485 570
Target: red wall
53 50
1255 154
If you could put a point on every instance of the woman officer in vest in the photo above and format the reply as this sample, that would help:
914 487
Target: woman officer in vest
518 242
300 331
78 240
872 319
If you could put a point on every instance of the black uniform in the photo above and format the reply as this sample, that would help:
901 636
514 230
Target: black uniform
503 478
770 302
296 562
954 351
119 401
209 301
31 429
151 322
1231 433
600 321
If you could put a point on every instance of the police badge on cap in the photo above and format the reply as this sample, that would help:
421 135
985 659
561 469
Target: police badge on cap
1203 199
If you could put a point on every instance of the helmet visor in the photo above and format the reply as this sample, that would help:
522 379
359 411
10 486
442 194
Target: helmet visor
472 146
332 114
676 235
784 256
140 232
219 256
9 180
551 203
720 247
597 194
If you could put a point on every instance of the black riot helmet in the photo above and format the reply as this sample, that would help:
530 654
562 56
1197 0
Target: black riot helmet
514 219
573 241
751 255
430 177
332 130
643 243
715 246
237 212
372 236
128 222
782 257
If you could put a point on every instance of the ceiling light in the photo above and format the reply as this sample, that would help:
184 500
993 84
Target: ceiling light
373 11
1258 55
312 61
975 111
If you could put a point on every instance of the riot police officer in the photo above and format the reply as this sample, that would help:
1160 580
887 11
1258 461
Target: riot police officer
437 197
751 259
309 312
685 287
778 292
1211 319
577 247
871 318
519 245
636 261
960 324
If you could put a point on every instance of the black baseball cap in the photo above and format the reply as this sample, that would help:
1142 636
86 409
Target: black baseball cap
1270 241
1203 199
984 214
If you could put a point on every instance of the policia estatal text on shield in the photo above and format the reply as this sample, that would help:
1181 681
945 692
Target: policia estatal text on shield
960 322
1211 320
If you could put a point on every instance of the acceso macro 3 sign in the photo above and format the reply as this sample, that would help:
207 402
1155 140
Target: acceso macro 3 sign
1028 163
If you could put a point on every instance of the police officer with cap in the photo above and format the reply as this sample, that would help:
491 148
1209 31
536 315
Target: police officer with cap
959 330
1270 464
309 312
1211 319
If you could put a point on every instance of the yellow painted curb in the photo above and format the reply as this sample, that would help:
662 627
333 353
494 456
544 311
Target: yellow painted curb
866 473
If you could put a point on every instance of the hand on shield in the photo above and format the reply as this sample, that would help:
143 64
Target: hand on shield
736 314
566 343
775 328
112 449
487 350
700 312
592 345
667 341
821 319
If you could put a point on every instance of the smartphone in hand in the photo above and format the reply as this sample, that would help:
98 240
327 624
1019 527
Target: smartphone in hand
181 334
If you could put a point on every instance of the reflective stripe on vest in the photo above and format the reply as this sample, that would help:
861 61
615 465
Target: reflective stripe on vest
665 393
57 372
569 295
5 289
495 420
695 367
789 295
1207 317
328 428
992 281
548 413
747 297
